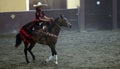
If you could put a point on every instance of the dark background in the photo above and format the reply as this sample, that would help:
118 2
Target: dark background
97 17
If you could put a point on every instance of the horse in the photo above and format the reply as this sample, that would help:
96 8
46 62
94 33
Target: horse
45 38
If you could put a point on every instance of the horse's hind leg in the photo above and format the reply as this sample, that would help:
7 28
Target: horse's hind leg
30 48
25 51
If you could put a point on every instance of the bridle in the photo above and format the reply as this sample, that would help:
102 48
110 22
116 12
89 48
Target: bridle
59 26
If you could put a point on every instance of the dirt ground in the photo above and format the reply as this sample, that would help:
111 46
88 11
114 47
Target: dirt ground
85 50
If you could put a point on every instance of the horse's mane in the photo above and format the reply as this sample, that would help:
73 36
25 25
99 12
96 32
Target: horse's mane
52 25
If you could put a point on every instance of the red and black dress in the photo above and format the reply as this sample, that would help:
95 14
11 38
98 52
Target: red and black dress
26 30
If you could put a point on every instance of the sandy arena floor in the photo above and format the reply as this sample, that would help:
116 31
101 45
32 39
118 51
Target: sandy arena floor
85 50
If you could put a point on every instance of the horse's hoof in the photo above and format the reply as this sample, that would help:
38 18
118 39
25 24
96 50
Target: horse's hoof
28 62
33 57
56 63
33 61
44 62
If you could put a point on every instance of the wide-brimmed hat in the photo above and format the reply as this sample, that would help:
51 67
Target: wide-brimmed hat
39 4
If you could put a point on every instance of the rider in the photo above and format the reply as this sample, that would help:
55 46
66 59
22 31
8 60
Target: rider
41 19
40 16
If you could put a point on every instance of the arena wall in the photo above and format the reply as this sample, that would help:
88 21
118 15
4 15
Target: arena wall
10 22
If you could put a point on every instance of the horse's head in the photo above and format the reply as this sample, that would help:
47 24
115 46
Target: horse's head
64 22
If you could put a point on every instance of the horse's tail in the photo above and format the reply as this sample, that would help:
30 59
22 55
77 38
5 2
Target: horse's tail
18 40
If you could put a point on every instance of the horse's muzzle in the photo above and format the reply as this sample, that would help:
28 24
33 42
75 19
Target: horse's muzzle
70 26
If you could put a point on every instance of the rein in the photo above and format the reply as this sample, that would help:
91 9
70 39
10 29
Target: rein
52 34
59 26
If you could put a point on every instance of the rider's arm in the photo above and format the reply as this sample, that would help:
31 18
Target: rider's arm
45 18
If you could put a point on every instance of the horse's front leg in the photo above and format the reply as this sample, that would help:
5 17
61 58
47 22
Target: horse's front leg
49 58
54 53
56 59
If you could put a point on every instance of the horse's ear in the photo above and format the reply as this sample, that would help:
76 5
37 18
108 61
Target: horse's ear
61 16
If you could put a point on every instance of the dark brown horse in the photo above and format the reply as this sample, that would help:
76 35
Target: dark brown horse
45 38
